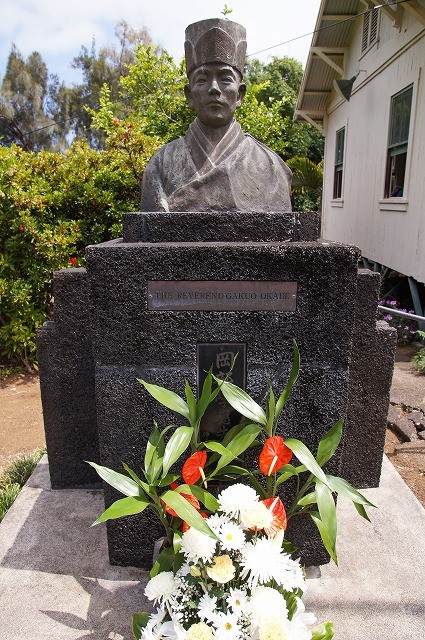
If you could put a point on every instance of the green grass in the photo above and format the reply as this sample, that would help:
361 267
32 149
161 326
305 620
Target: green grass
14 477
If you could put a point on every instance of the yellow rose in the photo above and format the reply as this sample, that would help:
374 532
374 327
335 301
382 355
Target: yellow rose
200 631
256 517
273 629
222 570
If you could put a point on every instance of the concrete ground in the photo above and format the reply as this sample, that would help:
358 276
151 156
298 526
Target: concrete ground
56 582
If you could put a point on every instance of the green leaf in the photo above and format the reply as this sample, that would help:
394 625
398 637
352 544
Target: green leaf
242 402
207 396
361 511
167 398
305 456
136 478
324 631
153 441
327 512
229 435
329 443
168 479
164 562
139 622
271 410
208 500
238 445
310 498
213 445
191 402
178 443
177 542
123 507
122 483
324 535
339 485
284 396
186 512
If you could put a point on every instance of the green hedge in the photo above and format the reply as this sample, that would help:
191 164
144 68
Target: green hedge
51 206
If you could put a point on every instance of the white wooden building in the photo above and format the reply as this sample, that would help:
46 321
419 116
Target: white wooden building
374 171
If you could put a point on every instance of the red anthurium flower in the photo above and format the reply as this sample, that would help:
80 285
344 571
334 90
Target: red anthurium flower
274 456
73 262
189 497
186 527
275 505
193 468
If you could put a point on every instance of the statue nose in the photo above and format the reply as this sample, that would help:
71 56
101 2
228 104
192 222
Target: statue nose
214 88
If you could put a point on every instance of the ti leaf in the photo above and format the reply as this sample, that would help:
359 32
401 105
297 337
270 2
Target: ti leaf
339 485
121 483
324 535
329 443
327 512
186 512
242 402
167 398
178 443
208 500
306 458
124 507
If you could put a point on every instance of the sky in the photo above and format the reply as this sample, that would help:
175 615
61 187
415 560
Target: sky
58 28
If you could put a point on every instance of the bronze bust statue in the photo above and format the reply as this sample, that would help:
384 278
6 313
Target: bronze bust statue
215 166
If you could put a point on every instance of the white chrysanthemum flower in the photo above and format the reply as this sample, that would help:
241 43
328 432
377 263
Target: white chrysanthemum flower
231 536
227 627
262 561
197 546
236 498
300 623
216 521
291 577
199 631
207 608
237 601
161 587
256 516
266 603
222 570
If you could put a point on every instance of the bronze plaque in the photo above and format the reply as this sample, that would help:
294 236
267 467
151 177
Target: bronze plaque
220 417
221 295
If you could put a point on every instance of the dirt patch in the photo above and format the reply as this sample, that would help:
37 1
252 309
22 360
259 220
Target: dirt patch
21 418
409 460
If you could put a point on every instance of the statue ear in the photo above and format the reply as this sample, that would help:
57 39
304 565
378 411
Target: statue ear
241 93
188 95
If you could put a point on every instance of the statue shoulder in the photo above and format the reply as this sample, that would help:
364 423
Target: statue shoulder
272 155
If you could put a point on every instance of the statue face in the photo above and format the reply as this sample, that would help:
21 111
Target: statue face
215 91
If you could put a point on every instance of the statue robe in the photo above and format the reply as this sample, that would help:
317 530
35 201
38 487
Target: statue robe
237 174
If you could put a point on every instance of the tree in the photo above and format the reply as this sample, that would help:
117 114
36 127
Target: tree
106 67
31 101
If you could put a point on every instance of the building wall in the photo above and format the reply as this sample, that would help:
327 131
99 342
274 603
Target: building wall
389 231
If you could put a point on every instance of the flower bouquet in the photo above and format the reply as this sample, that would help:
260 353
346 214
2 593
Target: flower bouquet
239 585
225 570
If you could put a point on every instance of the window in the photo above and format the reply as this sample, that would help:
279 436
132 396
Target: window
401 104
370 29
339 162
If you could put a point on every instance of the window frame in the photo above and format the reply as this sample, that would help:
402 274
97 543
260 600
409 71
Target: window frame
338 181
398 148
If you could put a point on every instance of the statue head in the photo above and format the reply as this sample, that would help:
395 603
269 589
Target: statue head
215 57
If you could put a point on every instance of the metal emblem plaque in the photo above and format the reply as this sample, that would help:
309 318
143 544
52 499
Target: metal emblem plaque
220 416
